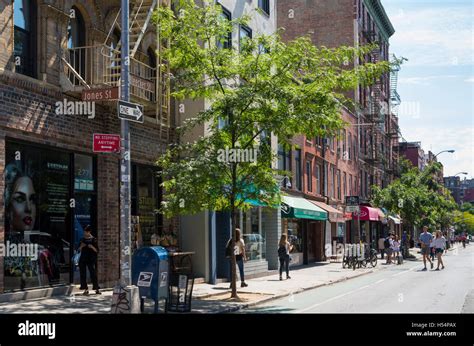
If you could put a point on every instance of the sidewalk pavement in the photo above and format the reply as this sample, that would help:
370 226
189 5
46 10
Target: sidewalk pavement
211 298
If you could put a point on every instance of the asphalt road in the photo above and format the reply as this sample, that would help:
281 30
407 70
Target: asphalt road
396 289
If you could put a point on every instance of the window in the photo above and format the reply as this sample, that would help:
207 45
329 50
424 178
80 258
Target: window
344 184
309 176
318 141
318 179
338 184
332 174
351 193
225 41
349 147
344 153
284 163
76 38
354 148
24 18
145 199
253 233
298 168
264 5
245 33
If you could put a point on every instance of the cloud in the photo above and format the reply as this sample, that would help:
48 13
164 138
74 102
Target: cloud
423 80
436 139
433 36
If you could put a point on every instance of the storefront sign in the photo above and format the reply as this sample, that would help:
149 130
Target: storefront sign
352 208
104 143
352 200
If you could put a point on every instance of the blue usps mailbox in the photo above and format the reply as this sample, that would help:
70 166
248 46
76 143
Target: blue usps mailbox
150 273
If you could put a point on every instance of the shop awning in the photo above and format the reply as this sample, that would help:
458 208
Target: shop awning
395 220
382 215
300 208
368 214
333 214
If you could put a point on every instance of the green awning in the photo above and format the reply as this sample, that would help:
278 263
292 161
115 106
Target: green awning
300 208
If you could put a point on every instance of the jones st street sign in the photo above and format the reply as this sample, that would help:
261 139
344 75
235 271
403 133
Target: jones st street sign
130 111
100 94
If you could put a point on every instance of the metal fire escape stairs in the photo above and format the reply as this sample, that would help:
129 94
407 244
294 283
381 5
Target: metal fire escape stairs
140 17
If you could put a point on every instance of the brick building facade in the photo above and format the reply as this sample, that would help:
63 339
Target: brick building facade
363 155
38 68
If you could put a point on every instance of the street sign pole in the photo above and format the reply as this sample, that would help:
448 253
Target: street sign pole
125 287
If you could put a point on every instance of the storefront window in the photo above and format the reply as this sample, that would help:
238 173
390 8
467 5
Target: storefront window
292 227
37 192
146 198
253 233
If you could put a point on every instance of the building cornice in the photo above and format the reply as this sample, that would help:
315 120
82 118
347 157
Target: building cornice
378 14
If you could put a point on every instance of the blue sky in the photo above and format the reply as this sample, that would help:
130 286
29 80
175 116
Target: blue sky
437 83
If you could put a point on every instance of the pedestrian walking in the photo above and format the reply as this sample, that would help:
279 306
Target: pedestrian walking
440 245
388 245
240 256
396 249
284 248
432 251
89 249
381 246
425 240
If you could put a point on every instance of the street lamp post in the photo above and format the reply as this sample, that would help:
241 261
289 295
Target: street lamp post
444 151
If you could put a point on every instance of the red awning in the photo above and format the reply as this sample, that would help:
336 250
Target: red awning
368 214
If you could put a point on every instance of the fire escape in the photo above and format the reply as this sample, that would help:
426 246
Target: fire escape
98 66
375 116
394 130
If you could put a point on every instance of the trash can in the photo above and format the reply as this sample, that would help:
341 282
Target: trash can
181 282
150 270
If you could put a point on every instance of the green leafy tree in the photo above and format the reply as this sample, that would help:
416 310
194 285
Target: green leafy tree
419 197
464 221
265 89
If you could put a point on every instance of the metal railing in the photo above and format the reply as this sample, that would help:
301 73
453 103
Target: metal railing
99 65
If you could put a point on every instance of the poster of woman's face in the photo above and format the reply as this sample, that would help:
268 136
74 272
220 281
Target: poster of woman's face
22 208
20 200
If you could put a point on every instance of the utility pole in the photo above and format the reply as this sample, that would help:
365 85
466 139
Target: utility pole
125 288
125 263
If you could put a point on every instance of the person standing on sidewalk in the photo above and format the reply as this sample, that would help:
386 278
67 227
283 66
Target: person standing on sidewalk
396 249
381 247
284 249
388 245
440 245
89 248
425 239
240 257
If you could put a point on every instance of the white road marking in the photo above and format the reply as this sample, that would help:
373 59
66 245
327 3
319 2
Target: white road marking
377 282
328 300
406 271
